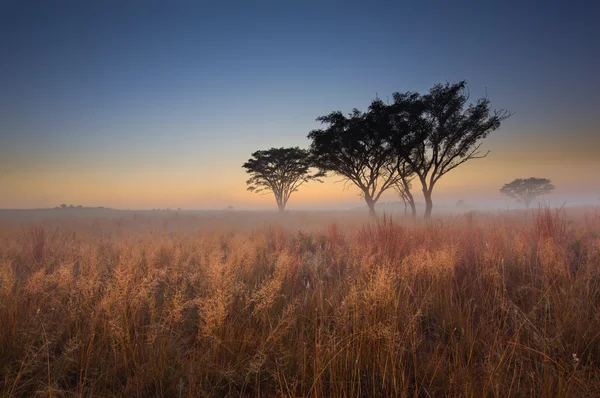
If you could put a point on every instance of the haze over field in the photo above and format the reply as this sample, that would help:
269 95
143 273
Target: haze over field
151 105
440 159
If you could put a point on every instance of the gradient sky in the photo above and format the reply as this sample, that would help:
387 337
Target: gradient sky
143 104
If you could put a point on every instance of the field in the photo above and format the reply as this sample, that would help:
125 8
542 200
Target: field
306 304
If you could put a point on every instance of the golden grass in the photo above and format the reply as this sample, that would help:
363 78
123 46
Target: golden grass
483 305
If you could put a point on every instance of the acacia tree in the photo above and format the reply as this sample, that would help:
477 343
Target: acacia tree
354 148
444 132
524 190
281 171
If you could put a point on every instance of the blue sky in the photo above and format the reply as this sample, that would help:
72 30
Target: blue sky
145 92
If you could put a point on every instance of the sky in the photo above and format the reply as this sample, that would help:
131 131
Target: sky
156 104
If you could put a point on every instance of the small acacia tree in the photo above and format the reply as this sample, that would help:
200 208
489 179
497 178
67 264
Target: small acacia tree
524 190
353 147
443 130
281 171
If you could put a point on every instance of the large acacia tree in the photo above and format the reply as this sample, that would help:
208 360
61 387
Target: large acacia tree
281 171
438 131
524 190
354 148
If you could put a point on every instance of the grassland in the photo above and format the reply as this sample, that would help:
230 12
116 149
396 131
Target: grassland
240 304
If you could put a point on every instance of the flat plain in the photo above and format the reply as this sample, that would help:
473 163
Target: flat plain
138 304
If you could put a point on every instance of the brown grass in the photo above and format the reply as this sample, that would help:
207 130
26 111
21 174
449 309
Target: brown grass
482 305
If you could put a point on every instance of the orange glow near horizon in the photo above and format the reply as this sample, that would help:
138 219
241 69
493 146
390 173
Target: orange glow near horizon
173 188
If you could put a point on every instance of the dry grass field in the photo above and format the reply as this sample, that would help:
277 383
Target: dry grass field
236 304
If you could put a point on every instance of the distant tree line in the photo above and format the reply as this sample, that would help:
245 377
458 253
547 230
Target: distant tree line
64 206
390 145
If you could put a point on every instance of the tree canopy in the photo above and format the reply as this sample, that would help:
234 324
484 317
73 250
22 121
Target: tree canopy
438 131
354 148
281 171
416 136
524 190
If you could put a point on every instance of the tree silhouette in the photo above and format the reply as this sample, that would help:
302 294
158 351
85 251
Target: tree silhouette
382 118
281 171
437 132
354 148
404 185
525 190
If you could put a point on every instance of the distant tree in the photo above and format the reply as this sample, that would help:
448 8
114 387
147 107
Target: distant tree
527 189
441 130
80 207
63 206
354 148
281 171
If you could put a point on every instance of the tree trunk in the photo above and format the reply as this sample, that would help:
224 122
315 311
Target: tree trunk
371 204
527 203
411 202
405 207
427 195
372 211
280 204
410 198
413 208
428 204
